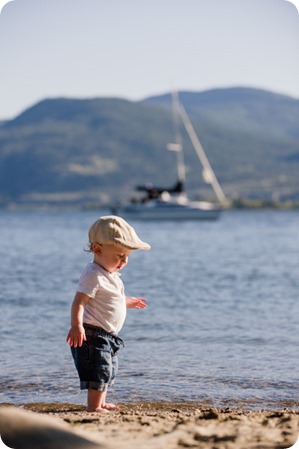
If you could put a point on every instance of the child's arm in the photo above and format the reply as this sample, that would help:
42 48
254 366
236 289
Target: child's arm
76 334
135 303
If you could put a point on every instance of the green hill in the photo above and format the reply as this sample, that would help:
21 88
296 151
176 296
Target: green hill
68 151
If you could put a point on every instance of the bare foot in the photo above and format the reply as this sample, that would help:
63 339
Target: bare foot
98 410
110 406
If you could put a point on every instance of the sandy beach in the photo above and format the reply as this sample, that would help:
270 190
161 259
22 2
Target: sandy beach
147 425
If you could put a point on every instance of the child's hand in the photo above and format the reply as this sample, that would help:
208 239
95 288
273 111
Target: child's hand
76 336
135 303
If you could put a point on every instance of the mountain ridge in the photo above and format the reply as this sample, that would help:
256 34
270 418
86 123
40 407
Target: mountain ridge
98 149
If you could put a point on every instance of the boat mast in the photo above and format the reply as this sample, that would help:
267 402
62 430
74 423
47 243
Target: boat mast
208 173
177 146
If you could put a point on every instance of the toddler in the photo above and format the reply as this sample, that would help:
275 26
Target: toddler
99 309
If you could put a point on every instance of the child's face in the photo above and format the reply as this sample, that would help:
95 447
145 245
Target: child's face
111 257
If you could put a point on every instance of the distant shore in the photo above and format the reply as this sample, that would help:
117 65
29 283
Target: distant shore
236 204
166 425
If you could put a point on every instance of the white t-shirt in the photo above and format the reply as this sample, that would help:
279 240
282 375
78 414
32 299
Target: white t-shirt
107 308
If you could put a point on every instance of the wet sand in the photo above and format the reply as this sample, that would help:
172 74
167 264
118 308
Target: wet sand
147 425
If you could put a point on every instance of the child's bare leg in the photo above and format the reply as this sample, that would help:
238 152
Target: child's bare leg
108 405
96 401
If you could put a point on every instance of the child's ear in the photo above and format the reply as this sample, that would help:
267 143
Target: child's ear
97 248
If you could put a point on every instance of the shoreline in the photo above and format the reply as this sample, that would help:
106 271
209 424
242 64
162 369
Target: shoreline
158 425
248 405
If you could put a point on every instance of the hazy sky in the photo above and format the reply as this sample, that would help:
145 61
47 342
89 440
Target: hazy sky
137 48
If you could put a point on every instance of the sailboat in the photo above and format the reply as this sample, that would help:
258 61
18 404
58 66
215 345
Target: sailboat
161 203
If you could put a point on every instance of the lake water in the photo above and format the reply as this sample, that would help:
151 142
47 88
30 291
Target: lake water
221 326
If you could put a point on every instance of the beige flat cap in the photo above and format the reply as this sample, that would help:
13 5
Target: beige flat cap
111 229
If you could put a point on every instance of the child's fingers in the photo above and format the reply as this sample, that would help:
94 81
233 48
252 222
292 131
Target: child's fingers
141 303
81 339
69 339
76 340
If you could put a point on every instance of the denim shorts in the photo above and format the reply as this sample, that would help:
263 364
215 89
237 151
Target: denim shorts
96 360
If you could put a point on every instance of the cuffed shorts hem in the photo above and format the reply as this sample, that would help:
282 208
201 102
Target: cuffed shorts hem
98 386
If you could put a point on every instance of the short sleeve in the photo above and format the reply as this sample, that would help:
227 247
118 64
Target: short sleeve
89 283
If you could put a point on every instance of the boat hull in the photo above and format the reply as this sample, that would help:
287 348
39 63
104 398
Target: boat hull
141 212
